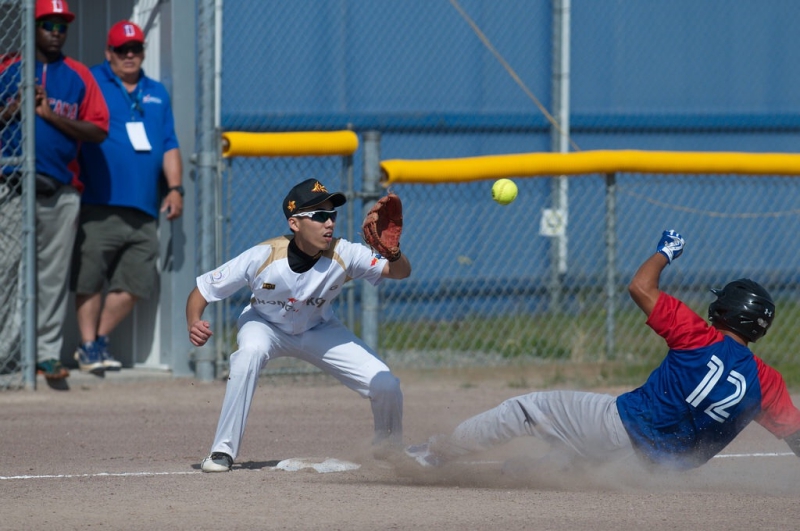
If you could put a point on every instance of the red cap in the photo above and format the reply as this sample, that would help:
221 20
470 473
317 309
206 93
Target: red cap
47 8
123 32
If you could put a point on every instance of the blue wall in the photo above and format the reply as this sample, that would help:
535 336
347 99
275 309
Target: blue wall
647 74
416 64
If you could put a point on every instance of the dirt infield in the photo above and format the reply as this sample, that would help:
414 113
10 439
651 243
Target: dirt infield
123 453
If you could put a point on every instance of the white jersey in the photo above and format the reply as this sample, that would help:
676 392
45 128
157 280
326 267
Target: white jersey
294 302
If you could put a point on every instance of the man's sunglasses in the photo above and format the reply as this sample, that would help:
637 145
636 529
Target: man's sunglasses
320 216
135 48
50 26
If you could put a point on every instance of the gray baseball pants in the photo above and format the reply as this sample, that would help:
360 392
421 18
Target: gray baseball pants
582 424
56 227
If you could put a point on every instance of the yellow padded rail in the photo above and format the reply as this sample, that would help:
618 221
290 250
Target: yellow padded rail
295 144
587 162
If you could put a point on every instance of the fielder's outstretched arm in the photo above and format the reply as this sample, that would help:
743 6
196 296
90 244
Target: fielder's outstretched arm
399 269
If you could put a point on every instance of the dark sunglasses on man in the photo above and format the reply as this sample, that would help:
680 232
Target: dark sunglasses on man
135 48
50 26
320 216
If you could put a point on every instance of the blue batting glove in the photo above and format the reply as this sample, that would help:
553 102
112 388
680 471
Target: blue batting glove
670 245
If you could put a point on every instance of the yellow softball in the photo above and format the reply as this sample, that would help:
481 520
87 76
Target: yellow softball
504 191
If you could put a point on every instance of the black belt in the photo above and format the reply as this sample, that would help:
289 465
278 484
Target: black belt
46 186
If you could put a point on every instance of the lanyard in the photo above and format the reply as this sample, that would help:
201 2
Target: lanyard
133 98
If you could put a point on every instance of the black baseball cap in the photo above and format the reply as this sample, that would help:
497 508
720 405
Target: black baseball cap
307 194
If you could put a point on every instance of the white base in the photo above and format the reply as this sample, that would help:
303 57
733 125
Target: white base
320 465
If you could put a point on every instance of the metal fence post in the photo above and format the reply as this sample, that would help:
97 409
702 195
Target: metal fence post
559 141
611 261
347 171
370 300
206 170
29 302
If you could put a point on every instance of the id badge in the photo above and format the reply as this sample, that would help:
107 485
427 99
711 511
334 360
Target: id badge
138 136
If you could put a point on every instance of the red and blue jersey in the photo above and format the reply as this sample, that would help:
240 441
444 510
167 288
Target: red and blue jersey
71 92
113 171
704 393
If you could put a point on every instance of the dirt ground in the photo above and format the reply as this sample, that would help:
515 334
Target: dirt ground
124 453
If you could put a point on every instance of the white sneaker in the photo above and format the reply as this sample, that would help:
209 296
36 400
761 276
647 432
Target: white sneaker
109 362
422 454
217 462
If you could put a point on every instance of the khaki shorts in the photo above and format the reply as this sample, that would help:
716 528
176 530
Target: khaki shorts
116 249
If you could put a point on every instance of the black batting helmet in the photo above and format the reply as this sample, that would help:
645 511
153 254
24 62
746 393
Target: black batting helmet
744 307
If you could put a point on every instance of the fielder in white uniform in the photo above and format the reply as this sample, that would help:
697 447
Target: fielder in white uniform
293 280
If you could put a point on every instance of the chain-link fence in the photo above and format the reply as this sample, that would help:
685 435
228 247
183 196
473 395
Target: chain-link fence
463 78
16 205
484 289
499 285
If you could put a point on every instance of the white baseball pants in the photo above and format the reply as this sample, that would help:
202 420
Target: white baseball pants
329 346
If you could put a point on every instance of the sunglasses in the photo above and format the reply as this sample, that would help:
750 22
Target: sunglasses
50 26
135 48
320 216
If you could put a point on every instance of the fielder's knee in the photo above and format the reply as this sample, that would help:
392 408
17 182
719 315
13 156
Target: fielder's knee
248 359
384 384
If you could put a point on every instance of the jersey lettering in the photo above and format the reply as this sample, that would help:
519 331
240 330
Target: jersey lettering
717 410
317 302
62 108
708 383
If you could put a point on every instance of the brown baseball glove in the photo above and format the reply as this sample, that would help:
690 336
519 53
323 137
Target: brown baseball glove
383 226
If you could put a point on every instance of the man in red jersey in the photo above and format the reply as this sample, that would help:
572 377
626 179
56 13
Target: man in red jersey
70 109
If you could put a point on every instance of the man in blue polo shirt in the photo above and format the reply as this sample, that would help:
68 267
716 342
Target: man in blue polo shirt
116 251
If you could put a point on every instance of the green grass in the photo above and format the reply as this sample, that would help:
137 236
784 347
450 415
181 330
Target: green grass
572 340
581 339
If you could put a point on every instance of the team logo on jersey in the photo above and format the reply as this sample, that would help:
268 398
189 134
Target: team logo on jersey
374 260
149 98
291 206
267 285
319 188
63 108
217 276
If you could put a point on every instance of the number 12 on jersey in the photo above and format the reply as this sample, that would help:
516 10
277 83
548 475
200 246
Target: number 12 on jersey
718 410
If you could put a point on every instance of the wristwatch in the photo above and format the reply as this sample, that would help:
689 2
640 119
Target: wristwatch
178 189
